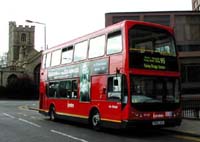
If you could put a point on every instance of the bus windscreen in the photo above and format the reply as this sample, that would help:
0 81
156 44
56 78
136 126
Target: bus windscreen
151 48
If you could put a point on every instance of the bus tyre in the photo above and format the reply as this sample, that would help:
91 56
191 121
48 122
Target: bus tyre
95 120
52 113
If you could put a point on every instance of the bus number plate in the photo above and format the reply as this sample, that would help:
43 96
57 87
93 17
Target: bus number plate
156 123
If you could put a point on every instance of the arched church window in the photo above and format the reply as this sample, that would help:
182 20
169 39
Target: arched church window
23 37
12 79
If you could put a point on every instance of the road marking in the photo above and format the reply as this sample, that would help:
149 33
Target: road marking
28 108
188 138
33 117
25 115
69 136
8 115
23 107
31 123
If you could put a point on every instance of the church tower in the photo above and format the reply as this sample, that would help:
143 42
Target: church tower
21 43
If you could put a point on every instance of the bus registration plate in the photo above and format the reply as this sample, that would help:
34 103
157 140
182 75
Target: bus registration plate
156 123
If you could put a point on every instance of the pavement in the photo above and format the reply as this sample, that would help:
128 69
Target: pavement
188 127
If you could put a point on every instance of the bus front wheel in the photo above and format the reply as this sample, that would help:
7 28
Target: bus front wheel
95 120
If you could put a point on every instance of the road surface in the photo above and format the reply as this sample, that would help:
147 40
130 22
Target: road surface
19 124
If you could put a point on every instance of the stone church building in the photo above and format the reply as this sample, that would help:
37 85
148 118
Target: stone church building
23 61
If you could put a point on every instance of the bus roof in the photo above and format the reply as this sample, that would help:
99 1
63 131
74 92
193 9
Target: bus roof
108 29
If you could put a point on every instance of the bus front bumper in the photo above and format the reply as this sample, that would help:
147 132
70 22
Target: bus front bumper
152 123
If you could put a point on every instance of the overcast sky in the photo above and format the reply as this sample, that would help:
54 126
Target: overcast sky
68 19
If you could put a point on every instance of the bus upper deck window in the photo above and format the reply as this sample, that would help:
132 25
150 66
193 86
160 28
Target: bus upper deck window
44 61
55 59
114 43
48 60
80 52
67 54
96 47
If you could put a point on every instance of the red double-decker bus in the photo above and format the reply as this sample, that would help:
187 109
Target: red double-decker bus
122 76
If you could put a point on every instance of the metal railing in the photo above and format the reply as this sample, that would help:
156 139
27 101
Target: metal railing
191 107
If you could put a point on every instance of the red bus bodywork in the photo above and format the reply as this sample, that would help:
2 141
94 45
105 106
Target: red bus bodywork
114 112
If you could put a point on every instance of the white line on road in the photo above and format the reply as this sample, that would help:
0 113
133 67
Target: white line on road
8 115
69 136
31 123
33 117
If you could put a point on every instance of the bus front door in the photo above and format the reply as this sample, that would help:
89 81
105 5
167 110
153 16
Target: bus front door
114 95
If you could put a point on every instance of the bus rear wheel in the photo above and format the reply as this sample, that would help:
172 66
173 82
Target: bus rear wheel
95 120
52 113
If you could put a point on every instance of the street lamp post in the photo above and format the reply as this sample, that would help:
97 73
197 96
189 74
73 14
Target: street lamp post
30 21
1 83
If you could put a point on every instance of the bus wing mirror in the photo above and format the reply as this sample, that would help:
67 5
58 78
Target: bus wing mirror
115 82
